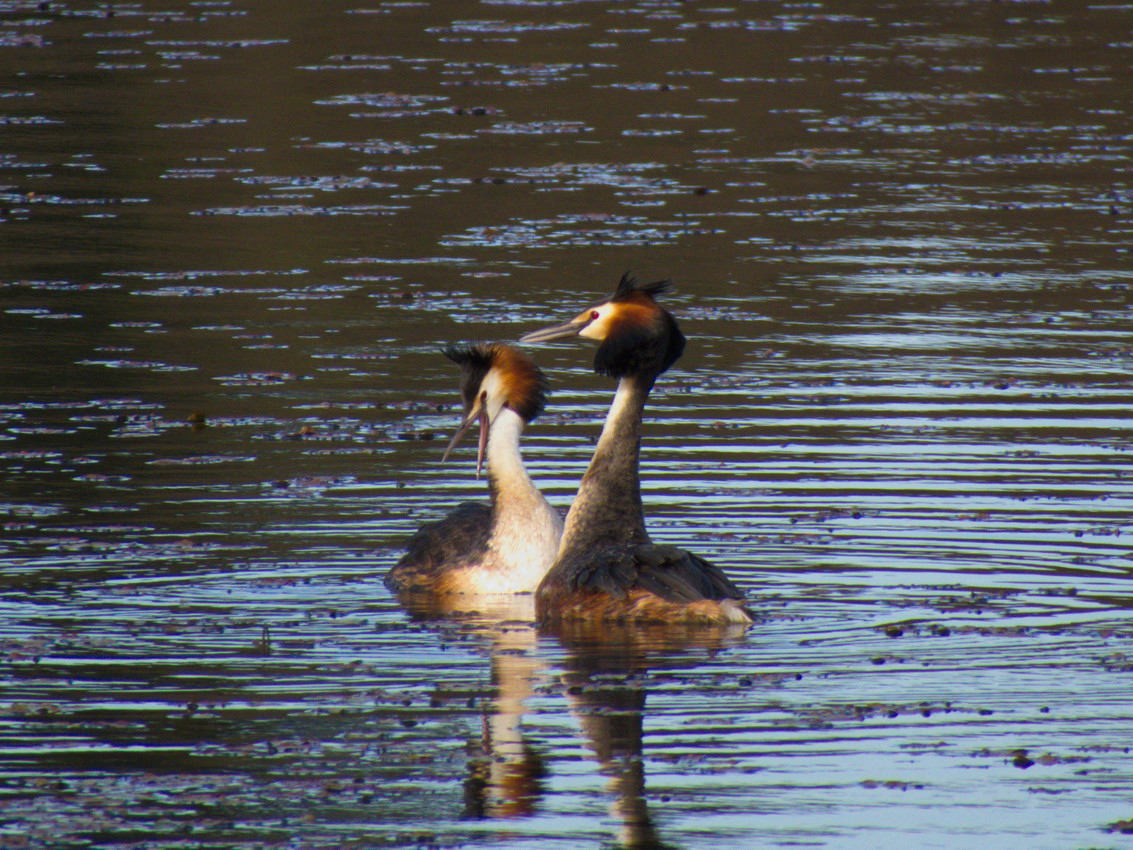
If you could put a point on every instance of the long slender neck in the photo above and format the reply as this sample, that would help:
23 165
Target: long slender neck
508 481
525 528
607 509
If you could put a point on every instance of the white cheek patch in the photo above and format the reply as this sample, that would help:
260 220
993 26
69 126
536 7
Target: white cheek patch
494 387
598 328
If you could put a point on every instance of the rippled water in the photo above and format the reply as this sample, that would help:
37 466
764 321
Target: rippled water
234 235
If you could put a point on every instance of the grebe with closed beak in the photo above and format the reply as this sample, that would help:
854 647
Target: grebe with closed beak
607 568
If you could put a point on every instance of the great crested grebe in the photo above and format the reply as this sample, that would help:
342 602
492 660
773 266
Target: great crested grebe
607 568
507 545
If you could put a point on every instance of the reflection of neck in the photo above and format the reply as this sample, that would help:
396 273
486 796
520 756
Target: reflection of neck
611 720
607 509
514 769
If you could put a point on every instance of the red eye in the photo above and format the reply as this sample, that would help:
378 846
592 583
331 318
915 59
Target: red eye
593 314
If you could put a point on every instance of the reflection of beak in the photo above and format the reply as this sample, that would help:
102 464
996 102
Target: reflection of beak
478 412
571 328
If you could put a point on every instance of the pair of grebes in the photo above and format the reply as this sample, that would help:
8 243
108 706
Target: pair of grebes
600 565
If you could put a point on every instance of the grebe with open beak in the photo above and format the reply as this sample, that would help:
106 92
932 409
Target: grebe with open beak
507 545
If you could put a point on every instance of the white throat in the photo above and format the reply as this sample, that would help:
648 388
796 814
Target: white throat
525 528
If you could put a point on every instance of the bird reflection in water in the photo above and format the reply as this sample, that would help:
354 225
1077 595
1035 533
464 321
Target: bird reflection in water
604 675
505 771
600 668
505 777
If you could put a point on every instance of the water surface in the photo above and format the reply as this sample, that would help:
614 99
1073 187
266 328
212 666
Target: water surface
234 236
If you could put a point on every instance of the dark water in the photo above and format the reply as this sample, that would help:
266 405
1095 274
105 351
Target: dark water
233 236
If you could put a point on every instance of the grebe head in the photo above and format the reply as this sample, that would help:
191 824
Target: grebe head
495 376
636 335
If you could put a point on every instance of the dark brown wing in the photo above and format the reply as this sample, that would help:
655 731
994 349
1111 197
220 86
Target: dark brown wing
460 539
673 574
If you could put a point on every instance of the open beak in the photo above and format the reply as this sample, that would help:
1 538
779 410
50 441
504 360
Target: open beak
478 412
571 328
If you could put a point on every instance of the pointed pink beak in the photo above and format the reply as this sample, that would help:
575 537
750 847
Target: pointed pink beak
479 412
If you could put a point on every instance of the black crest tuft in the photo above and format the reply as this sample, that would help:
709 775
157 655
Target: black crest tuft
478 355
628 287
474 362
523 381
